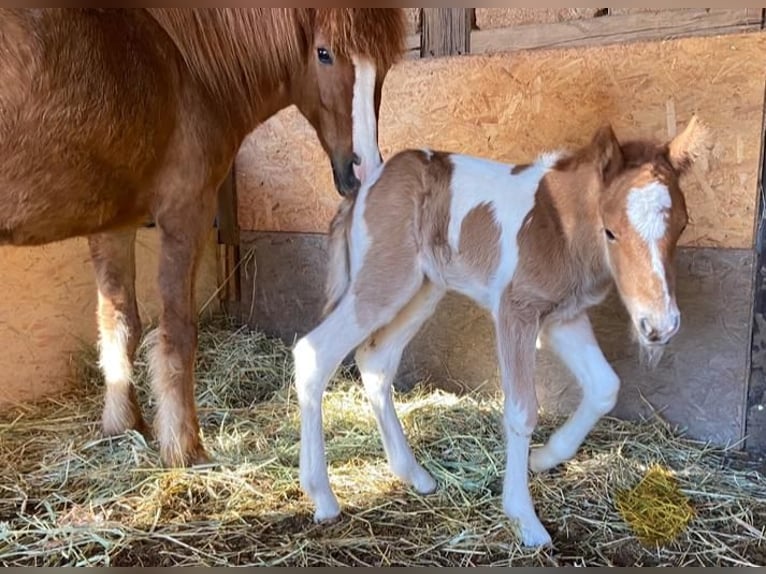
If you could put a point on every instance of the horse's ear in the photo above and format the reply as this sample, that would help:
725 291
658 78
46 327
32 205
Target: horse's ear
607 151
689 145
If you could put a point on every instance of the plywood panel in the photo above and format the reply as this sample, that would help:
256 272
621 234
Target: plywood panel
510 106
48 305
700 383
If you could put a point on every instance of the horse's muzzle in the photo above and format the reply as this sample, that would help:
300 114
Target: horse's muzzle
343 174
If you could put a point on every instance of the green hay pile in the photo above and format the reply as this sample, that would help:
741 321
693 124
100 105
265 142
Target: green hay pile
70 497
655 508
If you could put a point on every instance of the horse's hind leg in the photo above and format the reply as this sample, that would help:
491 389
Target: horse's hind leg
378 360
576 345
119 327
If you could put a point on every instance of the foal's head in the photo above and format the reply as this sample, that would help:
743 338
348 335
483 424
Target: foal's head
642 215
349 53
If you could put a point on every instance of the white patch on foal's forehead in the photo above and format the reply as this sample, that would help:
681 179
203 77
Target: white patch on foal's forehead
365 131
648 208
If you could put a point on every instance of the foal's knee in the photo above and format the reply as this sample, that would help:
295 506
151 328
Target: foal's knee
520 418
306 369
602 396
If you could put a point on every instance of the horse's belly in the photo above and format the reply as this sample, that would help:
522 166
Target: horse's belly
34 214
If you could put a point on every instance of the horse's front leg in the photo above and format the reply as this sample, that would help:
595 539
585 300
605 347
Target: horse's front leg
575 344
119 328
183 228
516 335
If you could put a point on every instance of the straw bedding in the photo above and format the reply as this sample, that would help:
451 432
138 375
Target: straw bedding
71 497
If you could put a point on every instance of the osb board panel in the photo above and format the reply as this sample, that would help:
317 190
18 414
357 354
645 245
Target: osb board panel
48 308
700 383
511 106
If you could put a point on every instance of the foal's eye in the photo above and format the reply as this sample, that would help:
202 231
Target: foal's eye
324 56
609 235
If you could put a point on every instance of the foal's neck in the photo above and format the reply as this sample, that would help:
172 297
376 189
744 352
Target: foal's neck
575 195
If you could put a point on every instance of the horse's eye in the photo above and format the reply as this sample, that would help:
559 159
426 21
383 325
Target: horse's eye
609 235
324 56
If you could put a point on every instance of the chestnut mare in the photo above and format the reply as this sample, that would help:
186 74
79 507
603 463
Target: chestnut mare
110 117
536 245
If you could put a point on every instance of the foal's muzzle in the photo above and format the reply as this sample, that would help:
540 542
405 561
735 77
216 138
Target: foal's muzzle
343 174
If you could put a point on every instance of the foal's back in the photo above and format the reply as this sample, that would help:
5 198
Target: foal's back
453 217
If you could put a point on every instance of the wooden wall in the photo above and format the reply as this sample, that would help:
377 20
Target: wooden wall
48 305
511 106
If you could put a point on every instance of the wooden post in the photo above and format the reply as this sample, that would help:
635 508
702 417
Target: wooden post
228 239
755 413
445 32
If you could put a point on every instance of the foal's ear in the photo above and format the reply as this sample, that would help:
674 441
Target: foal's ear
608 154
689 145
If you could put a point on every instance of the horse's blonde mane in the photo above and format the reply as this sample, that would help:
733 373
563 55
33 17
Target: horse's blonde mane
231 49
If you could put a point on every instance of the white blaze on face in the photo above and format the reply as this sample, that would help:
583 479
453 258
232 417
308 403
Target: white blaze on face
365 130
648 208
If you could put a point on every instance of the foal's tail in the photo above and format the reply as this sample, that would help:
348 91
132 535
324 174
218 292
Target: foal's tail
338 272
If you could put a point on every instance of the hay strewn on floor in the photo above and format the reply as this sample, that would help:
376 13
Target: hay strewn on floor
70 497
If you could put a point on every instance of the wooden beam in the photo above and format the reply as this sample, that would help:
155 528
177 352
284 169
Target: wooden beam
613 29
445 32
228 240
755 413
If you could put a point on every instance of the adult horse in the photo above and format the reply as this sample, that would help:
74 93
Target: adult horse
109 117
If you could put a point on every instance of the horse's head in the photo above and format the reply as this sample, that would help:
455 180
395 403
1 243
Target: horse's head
643 213
349 52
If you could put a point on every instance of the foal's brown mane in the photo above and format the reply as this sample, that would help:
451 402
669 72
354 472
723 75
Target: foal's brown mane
226 47
634 154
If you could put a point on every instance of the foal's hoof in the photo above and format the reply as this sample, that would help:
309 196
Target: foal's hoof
532 532
540 460
327 515
423 482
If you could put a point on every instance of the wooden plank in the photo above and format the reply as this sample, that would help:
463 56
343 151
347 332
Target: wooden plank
509 107
229 239
228 229
445 32
617 29
756 394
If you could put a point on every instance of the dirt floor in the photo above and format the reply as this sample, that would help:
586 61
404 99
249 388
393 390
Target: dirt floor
70 497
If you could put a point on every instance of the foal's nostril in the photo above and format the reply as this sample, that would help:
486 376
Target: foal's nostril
647 330
676 322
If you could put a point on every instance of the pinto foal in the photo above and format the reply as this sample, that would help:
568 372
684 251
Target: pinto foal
535 245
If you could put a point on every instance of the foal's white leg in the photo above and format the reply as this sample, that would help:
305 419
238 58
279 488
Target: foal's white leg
516 352
317 356
577 347
378 360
